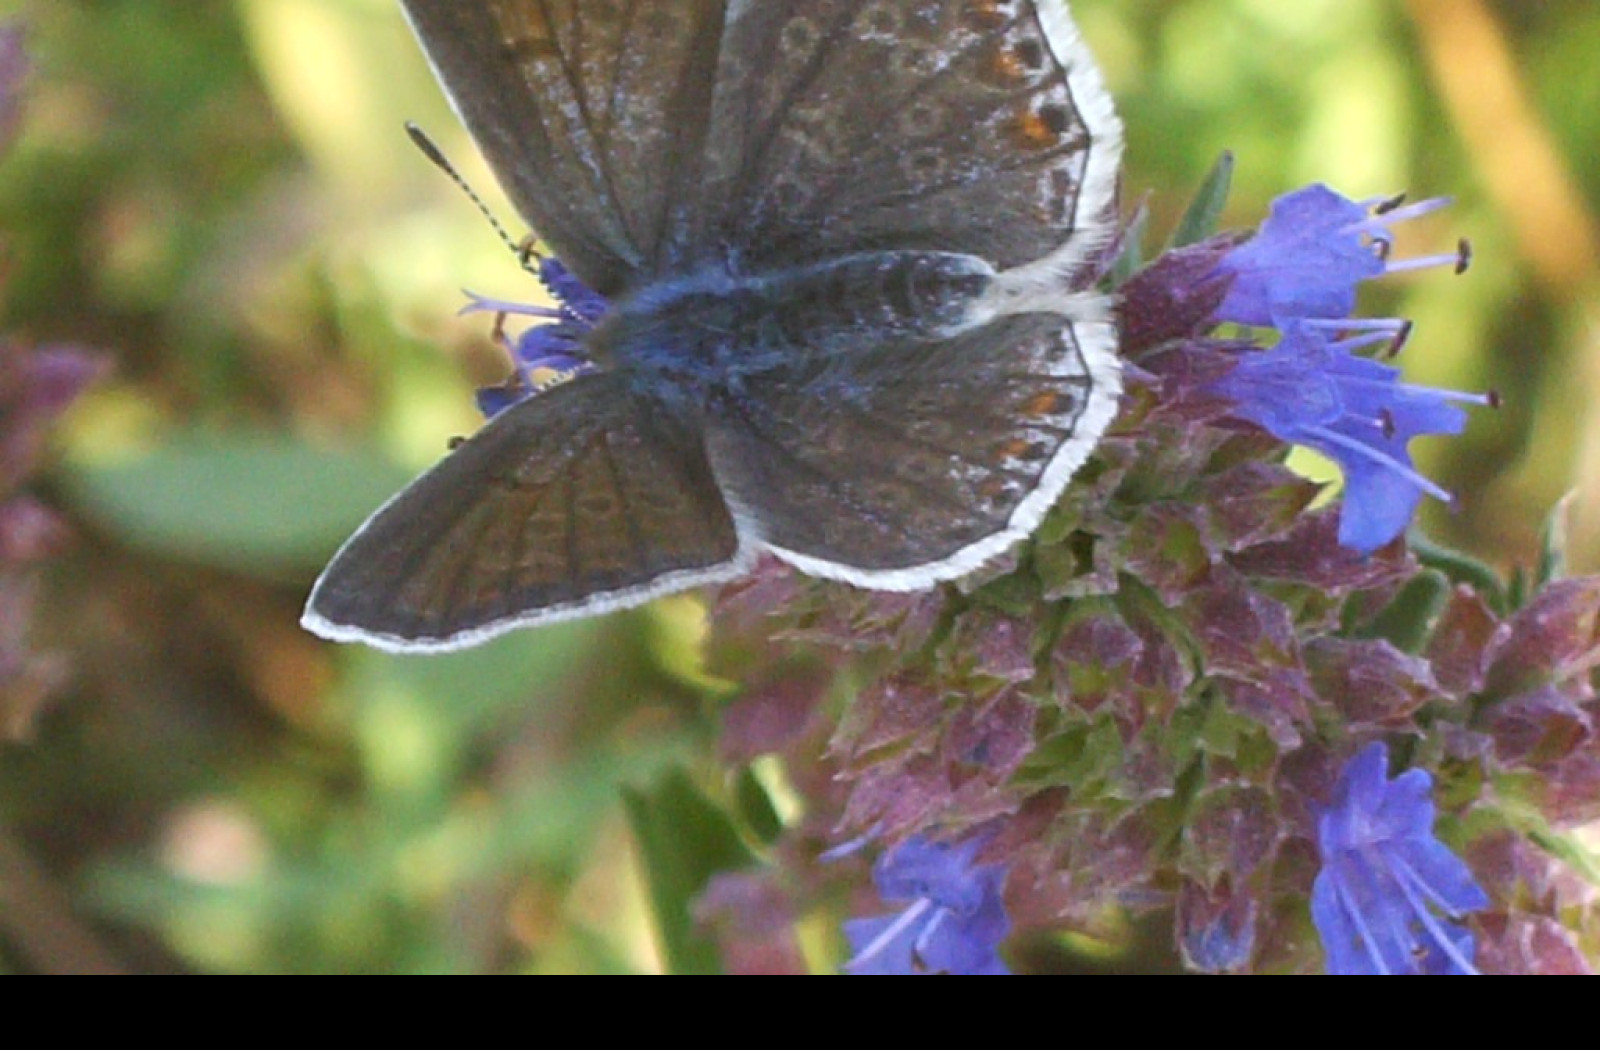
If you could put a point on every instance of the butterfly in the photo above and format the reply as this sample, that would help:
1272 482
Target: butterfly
846 251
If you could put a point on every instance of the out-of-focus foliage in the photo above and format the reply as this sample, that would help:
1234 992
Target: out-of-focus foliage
220 198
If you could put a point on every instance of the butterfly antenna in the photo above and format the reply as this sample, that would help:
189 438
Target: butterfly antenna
524 250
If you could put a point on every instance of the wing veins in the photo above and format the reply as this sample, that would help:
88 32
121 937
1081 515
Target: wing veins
912 195
761 156
515 566
606 175
832 481
809 469
868 422
629 524
570 541
614 92
458 584
421 553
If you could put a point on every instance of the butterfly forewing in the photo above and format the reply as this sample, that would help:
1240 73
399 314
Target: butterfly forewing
590 112
583 499
975 126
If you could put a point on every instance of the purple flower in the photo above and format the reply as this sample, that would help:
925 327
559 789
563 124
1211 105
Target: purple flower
1312 390
1313 250
544 354
1387 885
14 69
954 919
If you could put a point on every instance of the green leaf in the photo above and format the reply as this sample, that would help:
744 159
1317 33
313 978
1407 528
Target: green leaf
1083 757
1205 211
265 503
473 688
1461 568
683 841
1527 819
1408 621
1569 849
756 808
1130 257
1553 542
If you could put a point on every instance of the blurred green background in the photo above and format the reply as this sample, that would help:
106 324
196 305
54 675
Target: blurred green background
218 197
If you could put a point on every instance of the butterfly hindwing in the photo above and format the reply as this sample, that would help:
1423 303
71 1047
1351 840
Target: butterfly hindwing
918 460
578 500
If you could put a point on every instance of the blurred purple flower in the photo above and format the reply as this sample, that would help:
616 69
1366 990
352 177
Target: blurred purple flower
1311 390
1313 250
1387 884
545 354
36 383
14 69
36 386
953 922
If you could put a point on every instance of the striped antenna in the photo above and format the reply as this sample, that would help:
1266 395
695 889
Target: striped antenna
523 249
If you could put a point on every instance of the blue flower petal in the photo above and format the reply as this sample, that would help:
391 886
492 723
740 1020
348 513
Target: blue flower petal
1308 390
1388 889
1299 274
884 946
938 870
1448 880
549 353
578 299
1378 506
1305 261
954 921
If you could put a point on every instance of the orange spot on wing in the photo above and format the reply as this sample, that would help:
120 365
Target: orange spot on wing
1004 68
983 16
1031 131
1014 449
1044 403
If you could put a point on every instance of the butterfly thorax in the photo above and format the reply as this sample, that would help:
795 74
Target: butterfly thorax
713 328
